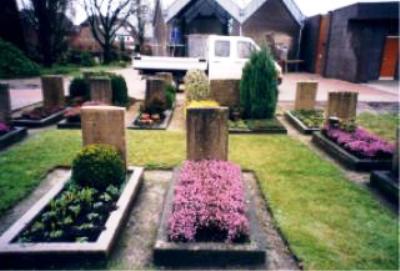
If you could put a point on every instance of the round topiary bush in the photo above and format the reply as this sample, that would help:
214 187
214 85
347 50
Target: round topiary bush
196 86
79 87
259 87
98 166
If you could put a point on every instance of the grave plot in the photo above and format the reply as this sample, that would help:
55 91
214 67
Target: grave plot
91 90
208 218
353 146
53 105
9 133
159 104
305 117
387 182
80 218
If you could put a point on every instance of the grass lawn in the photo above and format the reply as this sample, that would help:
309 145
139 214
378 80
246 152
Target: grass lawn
383 125
329 222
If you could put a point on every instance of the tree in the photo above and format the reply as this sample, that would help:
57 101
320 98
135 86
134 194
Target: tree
106 17
258 87
9 16
52 25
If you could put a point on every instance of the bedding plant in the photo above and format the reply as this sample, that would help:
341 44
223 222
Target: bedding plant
359 141
310 118
209 204
80 211
39 113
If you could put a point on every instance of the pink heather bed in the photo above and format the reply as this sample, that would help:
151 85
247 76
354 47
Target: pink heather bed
209 204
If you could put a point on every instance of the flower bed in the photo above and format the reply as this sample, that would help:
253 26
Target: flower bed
209 204
360 143
39 117
306 121
73 116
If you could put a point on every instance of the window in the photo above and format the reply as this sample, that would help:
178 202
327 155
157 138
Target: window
222 48
244 49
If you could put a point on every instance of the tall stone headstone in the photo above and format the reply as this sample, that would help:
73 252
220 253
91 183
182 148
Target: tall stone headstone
395 165
306 95
207 133
226 92
342 105
167 76
53 91
101 89
155 94
5 103
104 125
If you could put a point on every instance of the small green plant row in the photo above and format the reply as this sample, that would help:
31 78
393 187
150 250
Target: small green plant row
80 212
79 88
313 118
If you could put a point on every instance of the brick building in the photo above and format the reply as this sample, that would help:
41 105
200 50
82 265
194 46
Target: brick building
357 43
263 20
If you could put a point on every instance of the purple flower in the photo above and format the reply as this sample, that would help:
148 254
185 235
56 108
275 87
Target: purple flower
360 142
209 200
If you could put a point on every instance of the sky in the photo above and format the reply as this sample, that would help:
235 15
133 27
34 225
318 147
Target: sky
308 7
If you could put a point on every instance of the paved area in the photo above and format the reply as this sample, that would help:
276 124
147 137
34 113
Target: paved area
367 93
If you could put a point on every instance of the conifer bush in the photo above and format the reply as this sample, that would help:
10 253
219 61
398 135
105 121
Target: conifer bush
259 87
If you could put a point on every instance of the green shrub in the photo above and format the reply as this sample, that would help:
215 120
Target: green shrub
196 86
119 90
13 62
79 87
170 93
98 166
259 87
87 59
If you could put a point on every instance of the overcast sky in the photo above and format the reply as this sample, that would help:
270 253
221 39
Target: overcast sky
308 7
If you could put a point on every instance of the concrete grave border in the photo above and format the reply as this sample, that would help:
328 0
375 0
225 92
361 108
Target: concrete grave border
162 126
273 131
39 123
346 158
15 135
387 184
43 253
207 254
65 124
299 125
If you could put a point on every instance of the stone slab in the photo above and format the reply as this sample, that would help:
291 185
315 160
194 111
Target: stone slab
53 91
104 125
306 95
5 103
207 254
101 90
155 94
342 105
43 255
207 133
346 158
226 92
65 124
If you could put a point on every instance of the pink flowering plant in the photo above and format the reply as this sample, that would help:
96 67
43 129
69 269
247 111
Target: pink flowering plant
360 142
209 204
4 128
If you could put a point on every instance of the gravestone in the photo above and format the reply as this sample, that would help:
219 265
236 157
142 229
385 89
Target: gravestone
5 103
306 95
104 125
207 133
342 105
155 94
395 164
101 89
53 91
167 76
225 92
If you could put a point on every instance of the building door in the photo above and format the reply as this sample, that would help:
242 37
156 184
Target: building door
322 42
390 57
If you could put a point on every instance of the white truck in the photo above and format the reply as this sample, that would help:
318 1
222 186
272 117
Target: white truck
225 58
